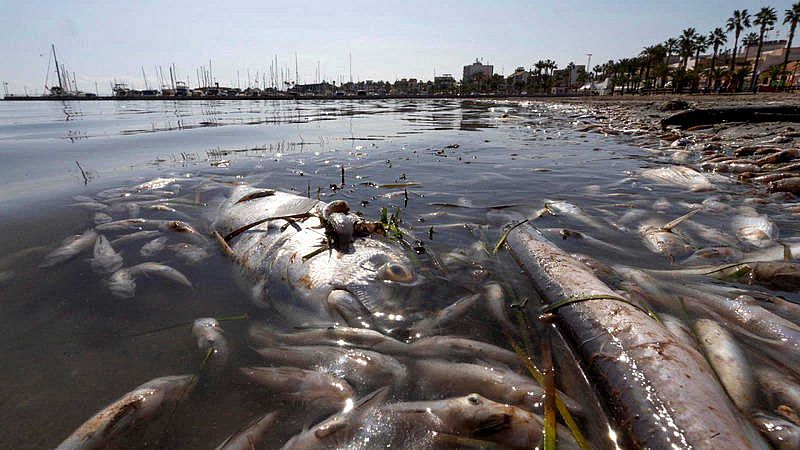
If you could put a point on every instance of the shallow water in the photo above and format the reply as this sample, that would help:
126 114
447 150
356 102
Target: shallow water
457 170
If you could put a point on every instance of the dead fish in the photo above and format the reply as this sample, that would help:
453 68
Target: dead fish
102 217
708 234
133 224
361 368
717 254
322 392
70 248
364 338
477 417
189 253
558 207
140 405
454 347
339 429
729 362
660 238
162 207
431 325
105 260
755 230
252 436
133 209
139 235
784 435
785 185
157 183
714 206
211 340
154 246
681 176
678 329
437 377
123 282
363 286
496 304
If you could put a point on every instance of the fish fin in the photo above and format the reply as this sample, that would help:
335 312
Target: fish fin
373 399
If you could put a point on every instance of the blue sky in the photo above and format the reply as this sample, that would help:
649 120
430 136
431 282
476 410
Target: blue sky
106 40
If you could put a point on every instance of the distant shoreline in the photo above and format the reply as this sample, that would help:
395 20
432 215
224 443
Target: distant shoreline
22 98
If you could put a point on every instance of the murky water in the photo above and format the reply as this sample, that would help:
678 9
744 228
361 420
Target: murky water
457 172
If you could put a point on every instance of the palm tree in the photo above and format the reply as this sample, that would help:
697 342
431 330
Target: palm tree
736 23
700 45
670 44
717 39
765 18
791 16
686 44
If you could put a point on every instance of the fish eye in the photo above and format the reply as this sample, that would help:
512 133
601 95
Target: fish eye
474 399
396 272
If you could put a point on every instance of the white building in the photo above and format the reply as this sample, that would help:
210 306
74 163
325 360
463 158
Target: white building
477 70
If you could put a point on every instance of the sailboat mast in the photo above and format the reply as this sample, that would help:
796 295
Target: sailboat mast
58 70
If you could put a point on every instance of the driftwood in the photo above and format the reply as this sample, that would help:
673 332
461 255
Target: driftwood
752 114
661 393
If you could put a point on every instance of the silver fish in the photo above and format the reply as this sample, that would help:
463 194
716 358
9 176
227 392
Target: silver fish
323 392
361 368
123 282
477 417
567 209
680 176
70 248
251 436
139 235
359 286
436 377
453 347
755 230
155 246
364 338
101 217
140 405
105 260
729 362
189 253
157 183
340 428
440 319
211 340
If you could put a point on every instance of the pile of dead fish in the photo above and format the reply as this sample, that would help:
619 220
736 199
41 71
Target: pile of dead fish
363 388
700 351
704 352
762 153
118 223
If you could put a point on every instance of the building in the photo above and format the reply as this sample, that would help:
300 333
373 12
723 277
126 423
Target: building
477 71
519 78
323 88
444 83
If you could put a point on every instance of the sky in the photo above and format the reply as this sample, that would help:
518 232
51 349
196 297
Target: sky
103 41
